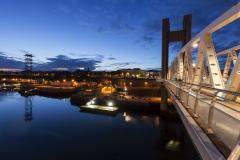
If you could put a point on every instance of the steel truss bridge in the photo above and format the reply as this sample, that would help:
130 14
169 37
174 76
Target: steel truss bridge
207 98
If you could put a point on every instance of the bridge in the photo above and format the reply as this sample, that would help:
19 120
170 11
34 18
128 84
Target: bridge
206 97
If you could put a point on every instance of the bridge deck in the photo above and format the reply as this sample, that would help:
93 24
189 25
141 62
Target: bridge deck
218 119
202 142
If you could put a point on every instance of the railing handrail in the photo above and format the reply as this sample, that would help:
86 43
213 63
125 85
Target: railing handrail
216 89
223 103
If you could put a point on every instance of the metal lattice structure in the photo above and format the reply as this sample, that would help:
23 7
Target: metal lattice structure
207 62
28 62
207 98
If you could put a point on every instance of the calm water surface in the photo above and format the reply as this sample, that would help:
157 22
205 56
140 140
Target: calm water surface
45 128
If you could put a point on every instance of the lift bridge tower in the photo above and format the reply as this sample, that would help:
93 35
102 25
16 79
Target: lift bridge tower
183 35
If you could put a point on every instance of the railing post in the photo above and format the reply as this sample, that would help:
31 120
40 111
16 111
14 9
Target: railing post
210 114
196 103
188 89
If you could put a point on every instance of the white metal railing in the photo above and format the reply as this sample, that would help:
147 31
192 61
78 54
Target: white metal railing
216 113
216 103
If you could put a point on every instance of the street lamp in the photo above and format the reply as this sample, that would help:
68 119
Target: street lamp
195 45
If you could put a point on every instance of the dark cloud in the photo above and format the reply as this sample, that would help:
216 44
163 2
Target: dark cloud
118 65
148 38
10 62
99 57
111 58
65 62
122 64
24 51
154 68
227 37
55 63
175 9
96 56
144 18
153 26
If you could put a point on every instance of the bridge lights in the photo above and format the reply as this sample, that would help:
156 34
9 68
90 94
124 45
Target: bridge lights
195 45
110 104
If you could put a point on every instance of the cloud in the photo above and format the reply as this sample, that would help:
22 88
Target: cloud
154 68
99 57
151 31
117 65
152 26
96 56
60 62
122 64
148 38
111 58
175 9
118 24
10 62
63 61
227 37
24 51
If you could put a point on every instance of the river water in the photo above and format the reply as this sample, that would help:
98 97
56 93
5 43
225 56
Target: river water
43 128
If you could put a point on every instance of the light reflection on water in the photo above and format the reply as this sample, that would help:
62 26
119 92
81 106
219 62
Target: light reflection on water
153 120
45 128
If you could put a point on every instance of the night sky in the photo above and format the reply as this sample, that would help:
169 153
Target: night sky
100 34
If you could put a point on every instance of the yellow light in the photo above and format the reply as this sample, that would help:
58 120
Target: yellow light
64 80
108 90
125 88
73 80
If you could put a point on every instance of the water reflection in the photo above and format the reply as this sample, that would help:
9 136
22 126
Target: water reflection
60 131
28 109
173 145
172 135
131 117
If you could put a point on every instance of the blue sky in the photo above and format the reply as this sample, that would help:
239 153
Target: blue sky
99 34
